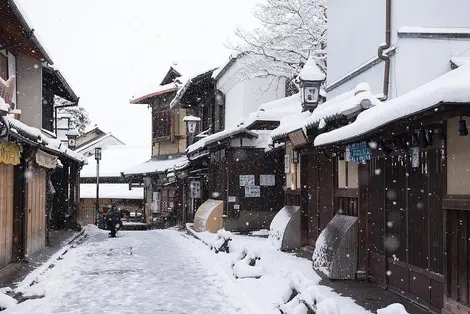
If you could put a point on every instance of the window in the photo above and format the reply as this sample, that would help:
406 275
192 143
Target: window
3 67
347 175
161 123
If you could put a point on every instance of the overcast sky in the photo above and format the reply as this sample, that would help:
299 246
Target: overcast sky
110 49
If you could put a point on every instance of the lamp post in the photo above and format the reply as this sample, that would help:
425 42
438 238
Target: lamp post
97 158
191 122
310 80
72 138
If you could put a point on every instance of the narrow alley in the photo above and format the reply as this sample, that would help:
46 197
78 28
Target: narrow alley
138 272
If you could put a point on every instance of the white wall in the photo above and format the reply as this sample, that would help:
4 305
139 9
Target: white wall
109 141
29 90
356 28
244 93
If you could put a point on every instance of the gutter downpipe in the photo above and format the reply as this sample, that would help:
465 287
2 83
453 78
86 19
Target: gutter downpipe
384 47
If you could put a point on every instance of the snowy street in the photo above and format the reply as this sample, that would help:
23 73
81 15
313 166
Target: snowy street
139 272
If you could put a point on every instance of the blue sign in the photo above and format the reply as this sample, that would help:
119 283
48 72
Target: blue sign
359 152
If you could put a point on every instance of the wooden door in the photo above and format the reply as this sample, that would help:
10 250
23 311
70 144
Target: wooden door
6 213
36 211
375 200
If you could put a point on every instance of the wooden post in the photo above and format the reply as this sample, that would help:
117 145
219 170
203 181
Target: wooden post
363 210
18 212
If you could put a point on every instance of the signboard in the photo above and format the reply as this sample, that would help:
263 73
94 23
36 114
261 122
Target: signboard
252 191
247 180
298 138
232 199
195 189
236 206
46 160
415 157
156 202
9 153
267 180
359 152
286 163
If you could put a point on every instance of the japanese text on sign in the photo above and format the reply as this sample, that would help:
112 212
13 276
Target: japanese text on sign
358 152
252 191
267 180
247 180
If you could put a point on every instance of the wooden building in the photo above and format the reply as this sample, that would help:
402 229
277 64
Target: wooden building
39 174
164 196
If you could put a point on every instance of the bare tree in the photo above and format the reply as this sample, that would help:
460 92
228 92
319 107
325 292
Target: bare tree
290 32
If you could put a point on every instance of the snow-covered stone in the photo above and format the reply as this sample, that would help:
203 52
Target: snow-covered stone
7 301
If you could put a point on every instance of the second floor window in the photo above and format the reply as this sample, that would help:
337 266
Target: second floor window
3 67
161 123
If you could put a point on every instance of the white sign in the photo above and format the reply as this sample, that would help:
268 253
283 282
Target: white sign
415 157
267 180
232 199
236 206
247 180
155 202
195 189
252 191
286 163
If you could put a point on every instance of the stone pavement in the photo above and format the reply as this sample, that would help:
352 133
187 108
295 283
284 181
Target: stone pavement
16 272
138 272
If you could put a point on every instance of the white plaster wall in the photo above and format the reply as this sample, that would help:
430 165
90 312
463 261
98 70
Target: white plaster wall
109 141
419 61
356 28
244 93
29 90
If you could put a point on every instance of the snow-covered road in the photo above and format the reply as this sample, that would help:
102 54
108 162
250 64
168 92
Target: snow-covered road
139 272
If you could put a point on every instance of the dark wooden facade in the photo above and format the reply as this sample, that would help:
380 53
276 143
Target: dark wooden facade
246 213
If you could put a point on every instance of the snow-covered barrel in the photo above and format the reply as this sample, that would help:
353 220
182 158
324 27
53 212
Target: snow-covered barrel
284 231
336 248
209 216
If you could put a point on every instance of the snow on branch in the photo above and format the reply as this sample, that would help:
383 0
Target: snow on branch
291 31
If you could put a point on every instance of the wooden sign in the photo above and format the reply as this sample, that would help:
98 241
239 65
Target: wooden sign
298 138
359 152
46 160
7 89
9 153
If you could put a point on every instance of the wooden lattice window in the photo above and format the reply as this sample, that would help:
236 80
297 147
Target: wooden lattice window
161 123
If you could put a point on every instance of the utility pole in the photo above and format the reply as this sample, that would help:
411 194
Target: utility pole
97 209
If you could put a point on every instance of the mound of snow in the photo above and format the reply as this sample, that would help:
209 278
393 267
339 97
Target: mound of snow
5 290
395 308
35 292
6 301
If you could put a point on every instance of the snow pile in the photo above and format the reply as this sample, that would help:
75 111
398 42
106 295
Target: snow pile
92 229
5 290
6 301
395 308
321 256
311 71
289 124
35 291
451 87
278 226
260 233
329 306
246 266
221 242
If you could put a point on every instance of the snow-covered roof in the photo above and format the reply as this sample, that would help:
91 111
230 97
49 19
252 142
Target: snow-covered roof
275 110
26 24
99 139
186 83
153 91
452 87
116 159
289 124
311 71
35 135
156 166
224 67
345 104
404 30
109 190
213 138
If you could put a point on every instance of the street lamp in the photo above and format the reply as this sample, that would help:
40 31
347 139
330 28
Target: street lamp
97 158
192 122
310 80
72 138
